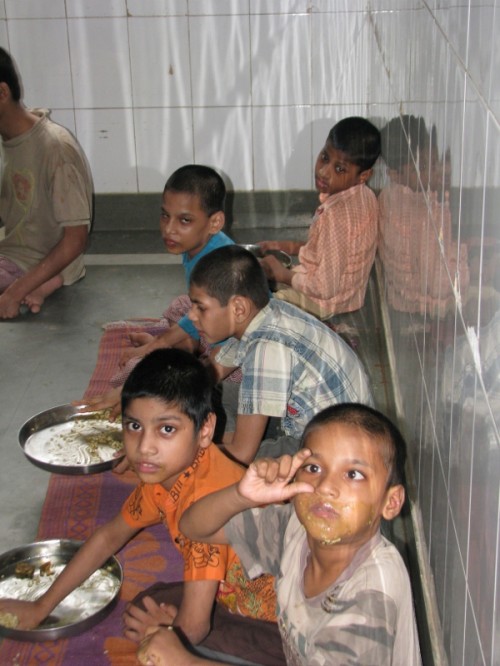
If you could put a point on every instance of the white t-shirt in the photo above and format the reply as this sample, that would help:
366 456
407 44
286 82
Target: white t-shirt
365 618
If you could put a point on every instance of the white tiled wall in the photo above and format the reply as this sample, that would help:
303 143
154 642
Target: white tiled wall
252 87
150 84
439 61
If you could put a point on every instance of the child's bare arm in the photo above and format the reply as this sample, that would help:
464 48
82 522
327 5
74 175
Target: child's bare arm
105 541
192 616
220 371
195 611
266 481
289 246
244 443
274 270
144 343
248 433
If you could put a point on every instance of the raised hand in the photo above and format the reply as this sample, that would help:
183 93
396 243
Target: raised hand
267 480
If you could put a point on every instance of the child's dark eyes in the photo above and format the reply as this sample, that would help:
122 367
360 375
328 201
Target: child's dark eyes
168 429
355 475
311 468
339 169
132 426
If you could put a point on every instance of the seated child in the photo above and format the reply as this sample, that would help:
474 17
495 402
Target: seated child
168 424
335 262
292 365
415 222
191 222
344 594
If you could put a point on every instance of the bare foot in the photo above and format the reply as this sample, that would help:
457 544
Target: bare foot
36 298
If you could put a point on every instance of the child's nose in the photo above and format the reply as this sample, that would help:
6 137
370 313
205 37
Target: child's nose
192 314
323 170
329 487
167 225
147 443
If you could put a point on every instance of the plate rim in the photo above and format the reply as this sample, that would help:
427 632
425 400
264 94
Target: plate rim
67 412
42 633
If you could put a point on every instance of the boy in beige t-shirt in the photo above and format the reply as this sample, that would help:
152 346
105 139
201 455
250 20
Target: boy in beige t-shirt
45 202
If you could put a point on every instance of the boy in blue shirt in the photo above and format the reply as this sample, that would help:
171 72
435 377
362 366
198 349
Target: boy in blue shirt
191 222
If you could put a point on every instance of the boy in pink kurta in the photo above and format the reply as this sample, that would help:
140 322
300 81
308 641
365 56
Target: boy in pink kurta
335 262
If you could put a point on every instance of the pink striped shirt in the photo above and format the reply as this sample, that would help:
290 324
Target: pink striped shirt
335 262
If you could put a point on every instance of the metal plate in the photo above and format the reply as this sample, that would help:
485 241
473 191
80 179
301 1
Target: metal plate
81 609
57 440
255 249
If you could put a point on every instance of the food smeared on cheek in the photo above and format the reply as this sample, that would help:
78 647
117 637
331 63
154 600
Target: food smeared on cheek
331 522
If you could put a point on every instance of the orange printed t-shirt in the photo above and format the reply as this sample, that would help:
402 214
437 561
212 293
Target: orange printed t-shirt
151 504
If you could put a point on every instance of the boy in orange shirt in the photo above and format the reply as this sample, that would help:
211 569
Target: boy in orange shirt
168 423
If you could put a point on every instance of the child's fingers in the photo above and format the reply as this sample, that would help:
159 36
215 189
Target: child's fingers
290 464
140 339
266 469
296 488
115 411
123 465
285 469
299 459
280 469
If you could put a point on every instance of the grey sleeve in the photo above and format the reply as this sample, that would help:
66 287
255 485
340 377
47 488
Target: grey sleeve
257 537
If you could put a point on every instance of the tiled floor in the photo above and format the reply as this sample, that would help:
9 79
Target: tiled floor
47 359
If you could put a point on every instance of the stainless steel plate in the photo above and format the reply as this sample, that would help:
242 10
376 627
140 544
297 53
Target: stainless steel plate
82 609
255 249
58 439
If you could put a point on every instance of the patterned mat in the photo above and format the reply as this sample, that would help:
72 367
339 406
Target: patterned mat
73 508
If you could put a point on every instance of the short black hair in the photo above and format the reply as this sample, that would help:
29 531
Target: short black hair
175 377
375 424
400 135
359 139
232 271
204 182
9 75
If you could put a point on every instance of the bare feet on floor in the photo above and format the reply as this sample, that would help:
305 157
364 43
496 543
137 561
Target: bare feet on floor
36 298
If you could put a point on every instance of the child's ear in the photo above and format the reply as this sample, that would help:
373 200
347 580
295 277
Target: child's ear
241 307
394 501
4 92
364 176
207 429
217 221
